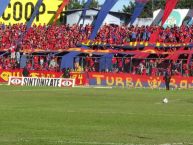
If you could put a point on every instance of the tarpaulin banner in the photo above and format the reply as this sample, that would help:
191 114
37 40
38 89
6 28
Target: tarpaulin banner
137 44
83 15
137 81
5 74
65 2
80 78
108 79
20 11
114 51
106 7
40 82
3 6
139 6
170 5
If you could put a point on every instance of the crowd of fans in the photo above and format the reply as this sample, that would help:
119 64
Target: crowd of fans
54 38
34 62
150 67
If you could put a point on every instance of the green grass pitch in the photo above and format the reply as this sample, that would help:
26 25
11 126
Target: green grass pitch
78 116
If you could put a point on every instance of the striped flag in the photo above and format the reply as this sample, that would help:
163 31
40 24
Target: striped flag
170 5
65 3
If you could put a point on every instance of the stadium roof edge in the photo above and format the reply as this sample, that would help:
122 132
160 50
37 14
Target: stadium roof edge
112 12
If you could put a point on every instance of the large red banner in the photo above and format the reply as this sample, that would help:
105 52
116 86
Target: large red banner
107 79
5 74
138 81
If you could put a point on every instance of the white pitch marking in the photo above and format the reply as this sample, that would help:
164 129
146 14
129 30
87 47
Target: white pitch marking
124 113
111 143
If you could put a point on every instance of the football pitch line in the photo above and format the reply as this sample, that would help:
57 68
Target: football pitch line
111 143
78 142
101 143
131 113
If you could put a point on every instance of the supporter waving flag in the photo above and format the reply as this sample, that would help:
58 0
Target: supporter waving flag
170 5
3 4
36 11
84 11
65 3
101 16
138 9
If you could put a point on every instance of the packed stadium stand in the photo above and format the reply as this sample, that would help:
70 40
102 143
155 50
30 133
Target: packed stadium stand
54 38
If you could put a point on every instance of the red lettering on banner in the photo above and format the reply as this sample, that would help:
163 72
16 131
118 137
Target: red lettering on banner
16 81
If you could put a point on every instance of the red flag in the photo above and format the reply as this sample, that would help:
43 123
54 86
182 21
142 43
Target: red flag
170 5
141 55
173 57
154 36
65 3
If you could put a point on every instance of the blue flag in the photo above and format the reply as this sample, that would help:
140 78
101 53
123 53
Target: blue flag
101 16
3 6
190 22
138 9
29 23
36 11
83 15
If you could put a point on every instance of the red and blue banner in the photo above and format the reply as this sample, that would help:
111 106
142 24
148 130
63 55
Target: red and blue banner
140 4
101 16
137 44
3 6
138 81
108 79
170 5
